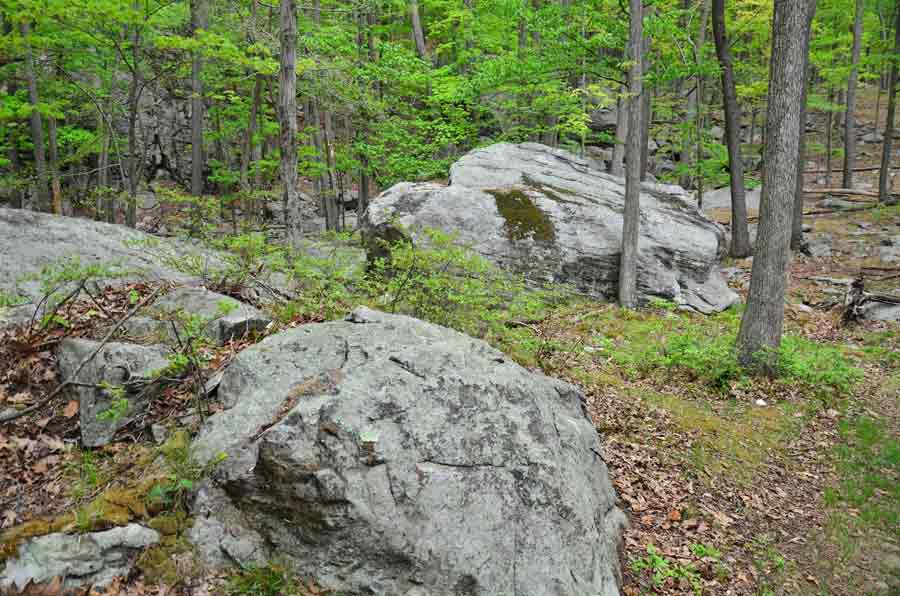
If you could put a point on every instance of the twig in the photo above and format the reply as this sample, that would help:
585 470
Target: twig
83 363
841 191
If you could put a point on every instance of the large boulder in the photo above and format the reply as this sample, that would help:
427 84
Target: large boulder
545 213
223 318
32 241
93 559
386 455
124 371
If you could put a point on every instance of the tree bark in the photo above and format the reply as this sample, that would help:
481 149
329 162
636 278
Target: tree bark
287 117
740 236
134 96
646 113
13 154
417 31
693 98
763 320
37 124
617 163
829 136
53 165
797 219
247 151
850 116
199 22
631 218
884 176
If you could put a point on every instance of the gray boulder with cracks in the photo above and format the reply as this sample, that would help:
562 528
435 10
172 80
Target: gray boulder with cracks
79 559
386 455
547 214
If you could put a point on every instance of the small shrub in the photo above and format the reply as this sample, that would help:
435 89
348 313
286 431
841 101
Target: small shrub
262 580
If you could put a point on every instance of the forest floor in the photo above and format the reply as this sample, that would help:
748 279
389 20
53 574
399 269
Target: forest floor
733 485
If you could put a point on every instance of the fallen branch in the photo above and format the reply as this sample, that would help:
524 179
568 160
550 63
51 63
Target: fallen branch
839 170
857 298
841 191
83 363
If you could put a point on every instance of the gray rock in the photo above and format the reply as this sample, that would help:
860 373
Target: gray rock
720 198
225 317
873 137
880 311
652 145
717 132
889 254
818 246
118 364
839 204
80 559
601 154
385 455
32 241
544 213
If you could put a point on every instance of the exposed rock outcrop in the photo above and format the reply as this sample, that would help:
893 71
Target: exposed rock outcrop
386 455
79 559
545 213
125 369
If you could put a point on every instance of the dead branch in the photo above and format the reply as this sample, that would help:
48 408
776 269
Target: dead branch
83 363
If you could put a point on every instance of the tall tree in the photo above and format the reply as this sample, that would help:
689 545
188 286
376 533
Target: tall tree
287 119
632 213
199 22
694 96
797 219
850 114
763 320
740 236
37 123
884 176
417 31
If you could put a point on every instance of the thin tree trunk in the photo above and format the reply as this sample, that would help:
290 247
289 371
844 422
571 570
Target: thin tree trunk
53 164
693 98
646 113
763 320
523 28
199 22
628 295
287 116
850 116
37 124
829 136
133 104
740 236
884 177
331 199
247 151
617 163
417 31
13 154
797 220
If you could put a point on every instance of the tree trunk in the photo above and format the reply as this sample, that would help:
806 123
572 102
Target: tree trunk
247 151
693 98
761 325
199 22
850 116
330 179
646 113
829 135
523 28
740 237
617 163
287 117
37 124
13 154
417 31
884 176
53 163
797 220
631 218
134 91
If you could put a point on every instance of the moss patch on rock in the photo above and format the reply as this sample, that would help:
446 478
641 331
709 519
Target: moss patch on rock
523 218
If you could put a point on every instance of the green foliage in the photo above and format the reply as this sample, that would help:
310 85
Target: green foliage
262 580
662 569
869 461
437 280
